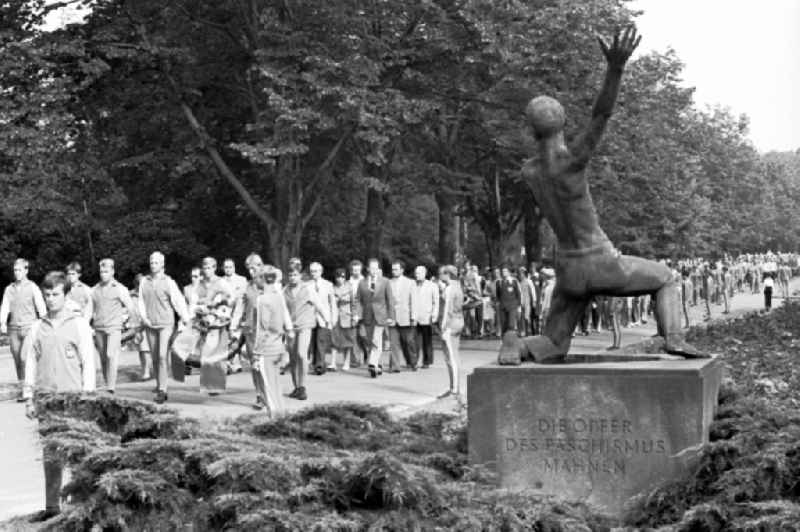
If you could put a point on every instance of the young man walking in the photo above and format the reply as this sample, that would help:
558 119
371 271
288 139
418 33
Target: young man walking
22 305
112 304
159 300
59 358
80 295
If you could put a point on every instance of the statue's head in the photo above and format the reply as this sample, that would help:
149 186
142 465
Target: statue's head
546 116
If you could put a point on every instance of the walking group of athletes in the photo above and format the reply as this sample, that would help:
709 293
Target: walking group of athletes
301 324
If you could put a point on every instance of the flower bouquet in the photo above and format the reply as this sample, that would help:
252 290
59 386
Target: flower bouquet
204 343
215 315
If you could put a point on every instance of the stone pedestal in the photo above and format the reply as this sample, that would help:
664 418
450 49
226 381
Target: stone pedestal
597 432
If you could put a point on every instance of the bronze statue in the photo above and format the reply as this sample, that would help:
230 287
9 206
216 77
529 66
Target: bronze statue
587 263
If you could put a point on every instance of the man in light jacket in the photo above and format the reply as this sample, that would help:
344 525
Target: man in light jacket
426 308
321 345
402 333
159 300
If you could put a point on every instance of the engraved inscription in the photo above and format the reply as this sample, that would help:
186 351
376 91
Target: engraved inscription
578 446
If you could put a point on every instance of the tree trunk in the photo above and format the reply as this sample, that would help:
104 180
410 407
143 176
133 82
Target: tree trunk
373 222
533 235
494 246
89 241
448 226
282 248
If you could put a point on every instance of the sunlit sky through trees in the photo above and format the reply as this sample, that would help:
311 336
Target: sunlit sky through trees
741 54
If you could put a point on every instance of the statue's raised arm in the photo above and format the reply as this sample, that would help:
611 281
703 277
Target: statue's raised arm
617 54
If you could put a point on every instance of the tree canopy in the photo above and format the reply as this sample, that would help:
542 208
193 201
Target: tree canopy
351 128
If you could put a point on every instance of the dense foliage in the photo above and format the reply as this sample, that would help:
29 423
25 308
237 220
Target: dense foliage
338 467
352 467
748 478
340 129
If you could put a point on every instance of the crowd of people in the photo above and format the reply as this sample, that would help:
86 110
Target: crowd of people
305 323
301 323
297 323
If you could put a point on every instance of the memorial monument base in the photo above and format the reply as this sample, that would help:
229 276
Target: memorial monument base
599 432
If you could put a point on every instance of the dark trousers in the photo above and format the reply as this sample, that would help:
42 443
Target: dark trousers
402 342
508 319
478 319
363 345
425 341
767 297
319 346
53 474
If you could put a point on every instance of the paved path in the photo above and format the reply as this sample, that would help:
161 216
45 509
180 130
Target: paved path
21 484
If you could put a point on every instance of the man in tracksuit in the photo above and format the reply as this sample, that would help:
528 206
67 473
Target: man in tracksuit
22 305
111 306
59 357
159 300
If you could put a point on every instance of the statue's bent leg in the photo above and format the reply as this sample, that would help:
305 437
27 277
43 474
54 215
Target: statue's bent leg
511 349
644 276
565 313
553 344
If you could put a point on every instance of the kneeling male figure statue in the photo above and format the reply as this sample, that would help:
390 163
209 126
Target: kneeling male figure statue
587 263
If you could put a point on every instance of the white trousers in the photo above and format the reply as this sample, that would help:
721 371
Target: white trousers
452 356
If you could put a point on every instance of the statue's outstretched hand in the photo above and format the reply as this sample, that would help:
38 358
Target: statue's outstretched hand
623 45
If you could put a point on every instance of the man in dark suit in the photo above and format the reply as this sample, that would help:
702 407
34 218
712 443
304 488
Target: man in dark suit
376 304
509 300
